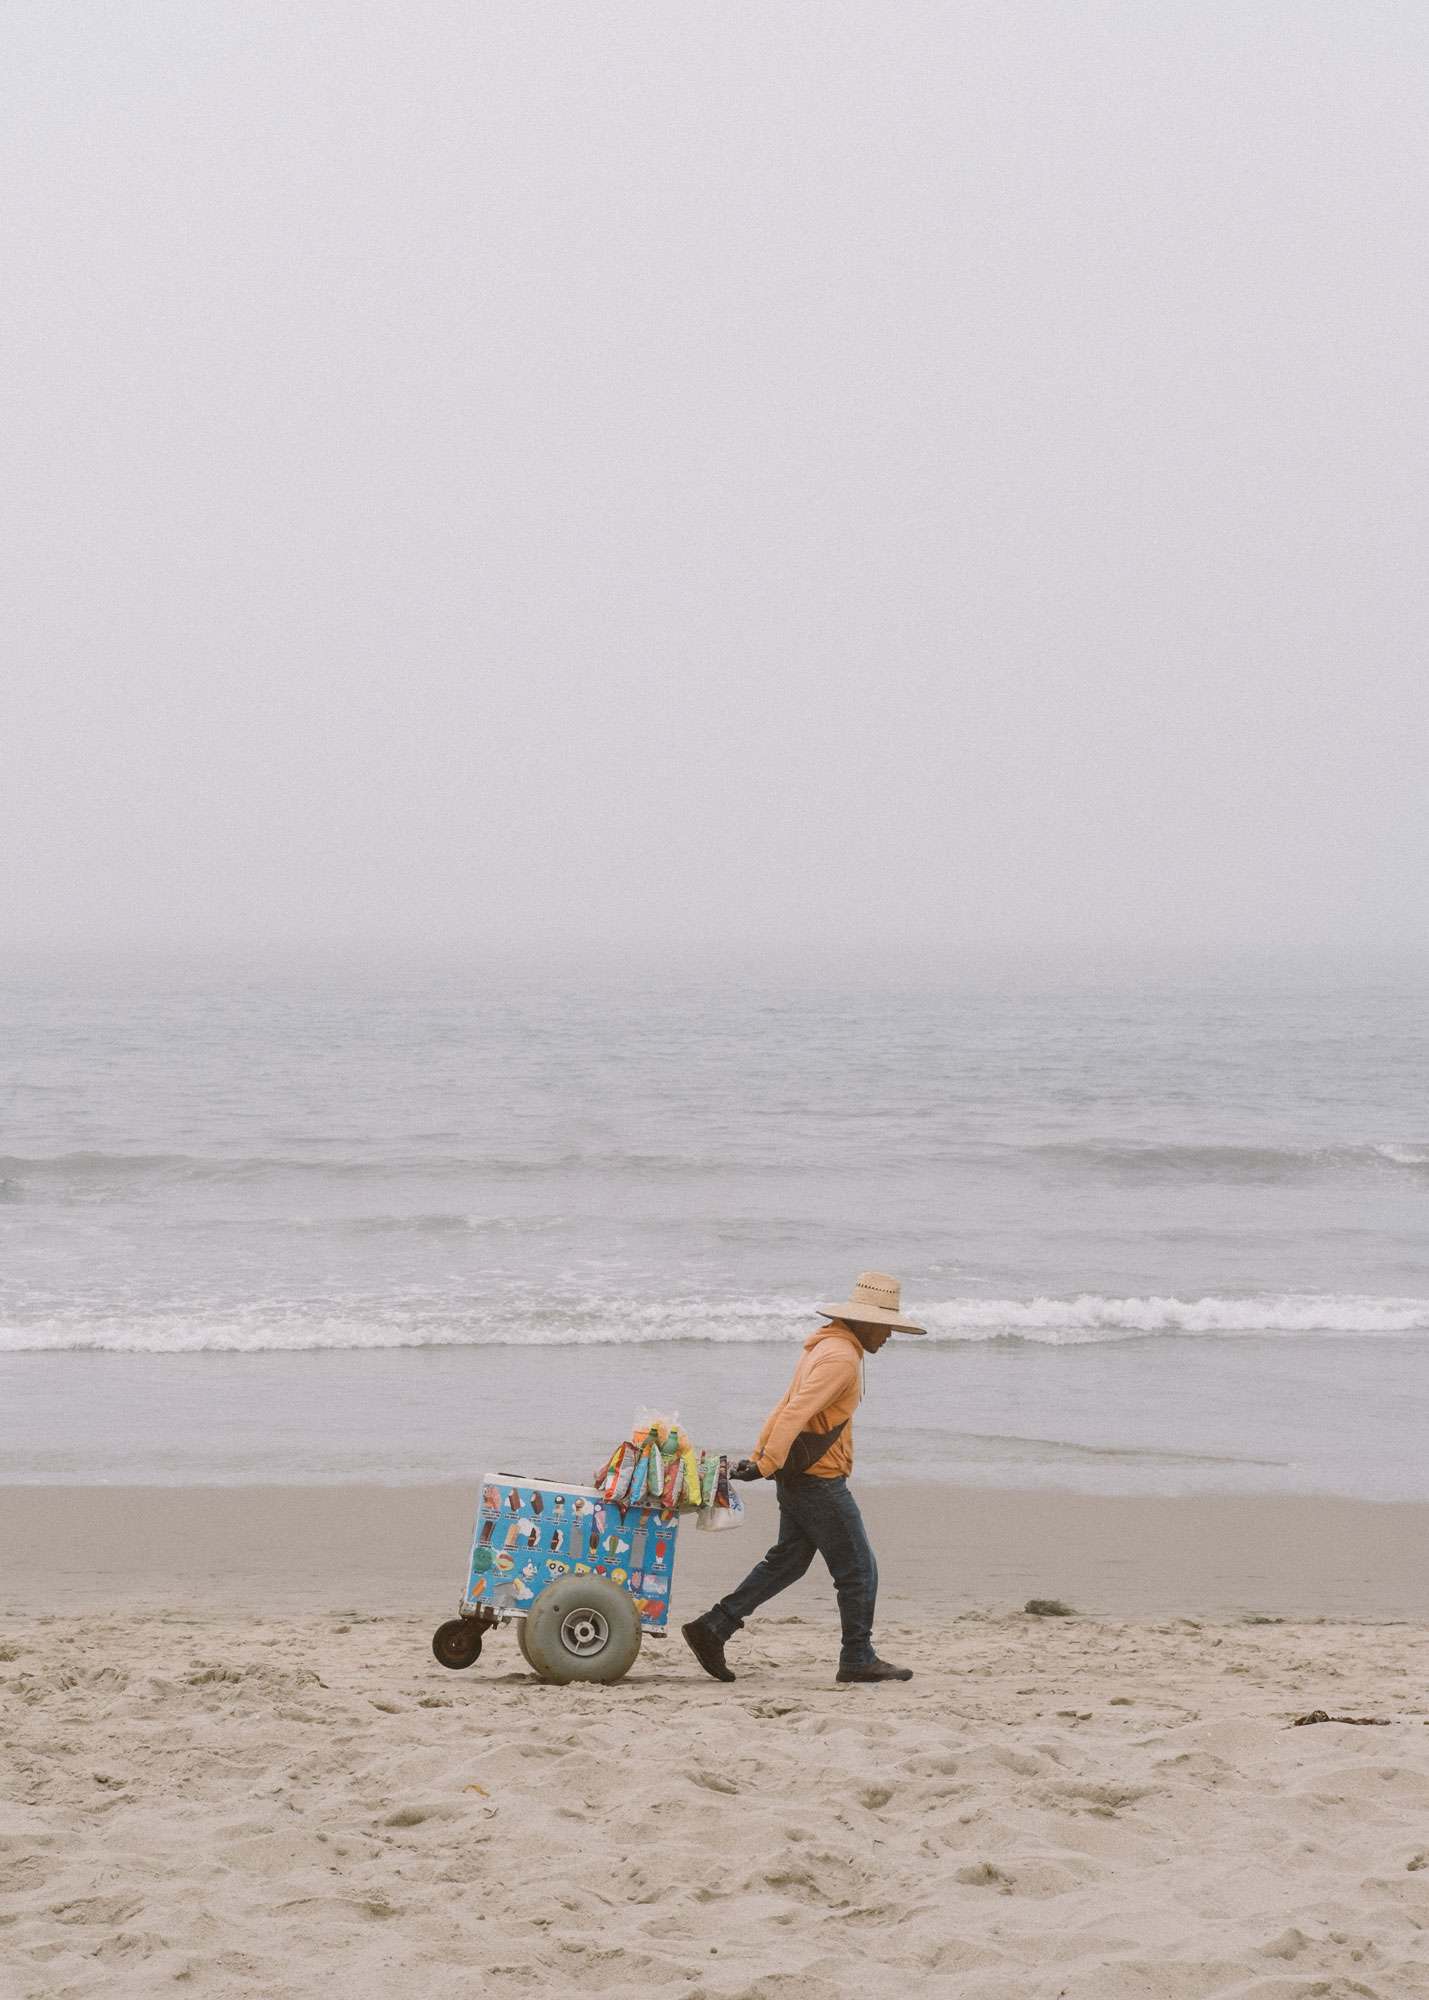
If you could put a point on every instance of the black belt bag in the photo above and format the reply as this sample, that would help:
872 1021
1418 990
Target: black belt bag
809 1447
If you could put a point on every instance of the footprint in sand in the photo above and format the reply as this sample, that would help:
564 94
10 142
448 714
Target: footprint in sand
983 1875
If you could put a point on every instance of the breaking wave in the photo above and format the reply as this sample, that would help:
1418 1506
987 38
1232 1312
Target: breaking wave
125 1170
89 1175
1089 1319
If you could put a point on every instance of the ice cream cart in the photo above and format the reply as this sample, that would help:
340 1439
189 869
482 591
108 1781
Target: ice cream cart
581 1578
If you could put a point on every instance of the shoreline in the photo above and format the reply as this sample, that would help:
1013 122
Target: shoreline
942 1549
1163 1417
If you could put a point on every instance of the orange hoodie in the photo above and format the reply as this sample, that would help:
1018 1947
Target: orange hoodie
826 1390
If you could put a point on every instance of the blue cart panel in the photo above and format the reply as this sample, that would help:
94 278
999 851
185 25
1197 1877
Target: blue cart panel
530 1532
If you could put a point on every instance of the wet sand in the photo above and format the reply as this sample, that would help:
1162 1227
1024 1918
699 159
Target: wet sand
944 1548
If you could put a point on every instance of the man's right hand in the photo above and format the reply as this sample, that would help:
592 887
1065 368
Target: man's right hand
745 1468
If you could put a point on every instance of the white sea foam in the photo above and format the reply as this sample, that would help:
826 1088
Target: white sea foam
1057 1322
264 1327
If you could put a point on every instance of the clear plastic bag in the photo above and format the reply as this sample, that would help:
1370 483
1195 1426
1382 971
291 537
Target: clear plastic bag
726 1509
664 1423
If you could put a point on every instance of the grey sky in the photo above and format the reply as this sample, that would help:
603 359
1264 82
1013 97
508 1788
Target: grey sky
950 477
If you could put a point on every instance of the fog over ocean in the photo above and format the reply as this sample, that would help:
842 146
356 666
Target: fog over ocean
778 511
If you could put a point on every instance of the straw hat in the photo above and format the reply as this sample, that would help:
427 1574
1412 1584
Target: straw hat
876 1300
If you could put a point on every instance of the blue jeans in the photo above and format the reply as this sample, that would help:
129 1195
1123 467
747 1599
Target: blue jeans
816 1517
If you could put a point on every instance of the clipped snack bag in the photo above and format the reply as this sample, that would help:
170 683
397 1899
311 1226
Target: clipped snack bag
620 1491
608 1477
658 1468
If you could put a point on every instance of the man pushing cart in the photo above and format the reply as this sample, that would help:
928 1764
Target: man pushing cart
586 1571
806 1448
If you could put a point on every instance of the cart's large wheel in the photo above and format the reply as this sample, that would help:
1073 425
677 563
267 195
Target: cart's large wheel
520 1624
582 1629
458 1642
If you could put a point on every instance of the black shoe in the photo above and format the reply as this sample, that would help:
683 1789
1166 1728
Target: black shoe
876 1670
707 1648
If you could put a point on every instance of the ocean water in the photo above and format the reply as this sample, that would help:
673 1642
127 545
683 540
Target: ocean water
357 1219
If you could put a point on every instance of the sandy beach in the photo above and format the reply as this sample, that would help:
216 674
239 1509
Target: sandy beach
290 1799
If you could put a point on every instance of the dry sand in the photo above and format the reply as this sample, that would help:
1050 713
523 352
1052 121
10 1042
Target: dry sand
302 1803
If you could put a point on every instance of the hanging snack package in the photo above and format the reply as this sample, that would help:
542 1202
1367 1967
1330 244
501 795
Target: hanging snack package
629 1464
659 1469
617 1466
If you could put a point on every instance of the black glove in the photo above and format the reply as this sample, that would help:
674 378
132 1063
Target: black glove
745 1468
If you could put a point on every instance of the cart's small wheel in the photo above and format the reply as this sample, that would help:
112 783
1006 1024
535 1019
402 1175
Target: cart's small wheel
458 1642
525 1649
582 1629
